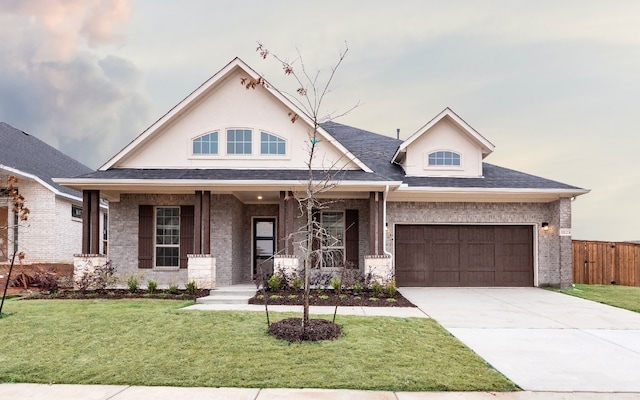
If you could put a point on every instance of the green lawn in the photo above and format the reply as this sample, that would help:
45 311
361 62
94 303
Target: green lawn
627 297
152 342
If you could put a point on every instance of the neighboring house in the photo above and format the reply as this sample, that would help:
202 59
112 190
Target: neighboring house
213 177
53 231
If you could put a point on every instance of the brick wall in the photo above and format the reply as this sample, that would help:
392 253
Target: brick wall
49 235
553 253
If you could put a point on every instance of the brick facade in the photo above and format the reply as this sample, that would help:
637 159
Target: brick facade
50 235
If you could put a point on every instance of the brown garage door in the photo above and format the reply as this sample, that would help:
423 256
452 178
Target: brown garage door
461 255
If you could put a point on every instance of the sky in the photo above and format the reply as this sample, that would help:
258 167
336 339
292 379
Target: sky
554 85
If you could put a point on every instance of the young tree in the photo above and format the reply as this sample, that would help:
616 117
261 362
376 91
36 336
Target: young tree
310 93
16 201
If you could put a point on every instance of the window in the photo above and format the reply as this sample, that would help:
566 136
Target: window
239 141
438 158
271 144
76 212
332 238
206 144
167 240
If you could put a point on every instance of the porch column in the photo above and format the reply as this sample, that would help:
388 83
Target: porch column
381 226
91 222
282 234
206 222
202 224
290 213
197 223
373 218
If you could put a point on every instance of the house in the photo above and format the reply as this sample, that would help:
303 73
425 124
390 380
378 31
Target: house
205 194
53 231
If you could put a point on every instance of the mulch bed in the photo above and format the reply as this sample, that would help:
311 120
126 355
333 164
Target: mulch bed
115 294
318 329
328 297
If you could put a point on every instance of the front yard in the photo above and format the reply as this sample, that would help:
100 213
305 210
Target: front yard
627 297
152 342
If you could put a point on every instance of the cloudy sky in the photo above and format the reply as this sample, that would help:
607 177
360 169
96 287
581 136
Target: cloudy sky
555 85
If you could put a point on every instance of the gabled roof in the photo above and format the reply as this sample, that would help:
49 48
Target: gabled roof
487 146
203 90
26 155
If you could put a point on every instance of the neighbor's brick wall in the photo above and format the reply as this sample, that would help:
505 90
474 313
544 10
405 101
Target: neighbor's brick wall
553 252
49 235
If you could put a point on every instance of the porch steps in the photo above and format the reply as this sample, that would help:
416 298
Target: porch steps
235 294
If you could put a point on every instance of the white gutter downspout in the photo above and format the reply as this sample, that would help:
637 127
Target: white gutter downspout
384 211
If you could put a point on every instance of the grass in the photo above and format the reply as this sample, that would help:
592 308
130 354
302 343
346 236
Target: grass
152 342
627 297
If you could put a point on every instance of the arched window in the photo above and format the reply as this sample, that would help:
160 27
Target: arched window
444 158
271 144
206 144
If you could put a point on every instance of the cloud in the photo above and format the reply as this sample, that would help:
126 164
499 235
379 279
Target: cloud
59 82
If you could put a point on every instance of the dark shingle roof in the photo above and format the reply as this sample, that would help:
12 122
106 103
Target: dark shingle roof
374 150
26 153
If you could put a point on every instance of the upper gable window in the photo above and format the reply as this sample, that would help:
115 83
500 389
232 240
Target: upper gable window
271 144
239 141
206 144
444 158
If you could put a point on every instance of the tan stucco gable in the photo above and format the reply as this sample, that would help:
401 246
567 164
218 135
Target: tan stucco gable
449 133
223 103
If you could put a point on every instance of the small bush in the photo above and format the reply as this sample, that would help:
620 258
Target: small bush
373 299
274 283
296 283
390 289
173 289
391 300
152 286
293 296
376 288
132 283
357 287
191 288
323 297
336 284
275 296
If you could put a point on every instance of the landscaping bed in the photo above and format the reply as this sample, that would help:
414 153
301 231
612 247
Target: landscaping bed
116 294
329 297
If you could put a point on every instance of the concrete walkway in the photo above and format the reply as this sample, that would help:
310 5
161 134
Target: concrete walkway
541 340
30 391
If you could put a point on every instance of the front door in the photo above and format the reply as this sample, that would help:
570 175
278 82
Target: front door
264 245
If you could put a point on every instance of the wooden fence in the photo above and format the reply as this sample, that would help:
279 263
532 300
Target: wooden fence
605 263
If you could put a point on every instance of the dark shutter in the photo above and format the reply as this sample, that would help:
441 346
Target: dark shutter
186 234
145 236
352 238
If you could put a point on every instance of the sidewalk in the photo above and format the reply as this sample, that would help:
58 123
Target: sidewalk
399 312
29 391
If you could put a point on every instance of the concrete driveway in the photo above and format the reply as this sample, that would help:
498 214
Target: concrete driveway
541 340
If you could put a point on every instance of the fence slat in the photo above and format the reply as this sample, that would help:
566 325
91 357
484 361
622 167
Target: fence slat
604 263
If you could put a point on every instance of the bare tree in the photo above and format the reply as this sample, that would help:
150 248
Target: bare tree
18 207
310 92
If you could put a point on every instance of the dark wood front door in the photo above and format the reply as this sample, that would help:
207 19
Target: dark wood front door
264 245
460 255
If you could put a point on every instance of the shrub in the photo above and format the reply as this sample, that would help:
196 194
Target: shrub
152 286
192 287
101 277
376 288
132 282
173 289
274 283
335 283
296 283
390 288
357 287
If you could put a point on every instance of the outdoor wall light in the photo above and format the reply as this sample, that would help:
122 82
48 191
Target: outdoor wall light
545 226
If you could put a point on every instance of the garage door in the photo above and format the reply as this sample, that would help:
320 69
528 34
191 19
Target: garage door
462 255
